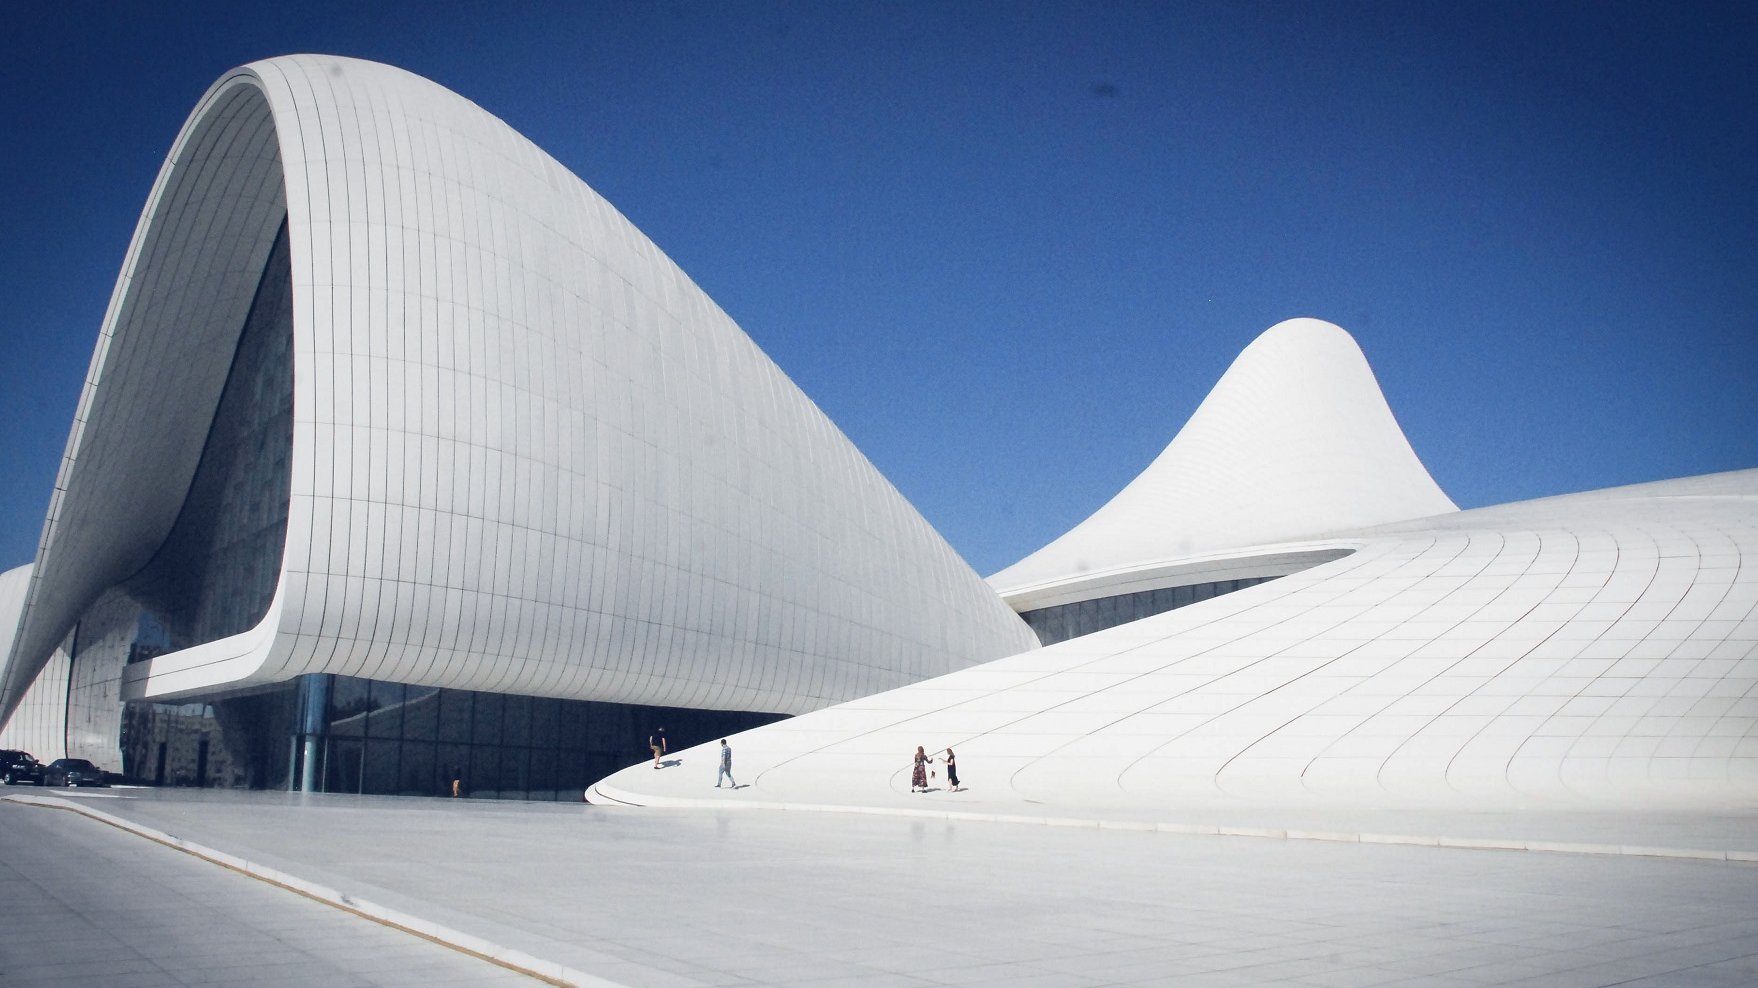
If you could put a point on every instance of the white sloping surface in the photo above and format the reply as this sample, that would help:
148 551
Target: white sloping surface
1295 440
529 454
1597 649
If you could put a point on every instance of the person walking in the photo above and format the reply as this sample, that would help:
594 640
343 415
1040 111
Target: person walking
951 761
656 741
919 772
725 766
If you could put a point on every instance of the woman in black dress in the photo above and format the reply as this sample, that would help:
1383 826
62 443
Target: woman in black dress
951 761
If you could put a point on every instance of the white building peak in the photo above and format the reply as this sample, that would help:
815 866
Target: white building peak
1295 441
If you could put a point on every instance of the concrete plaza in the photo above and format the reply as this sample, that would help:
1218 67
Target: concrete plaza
87 904
731 896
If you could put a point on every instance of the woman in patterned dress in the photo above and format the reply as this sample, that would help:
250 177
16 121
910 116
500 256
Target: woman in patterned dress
919 774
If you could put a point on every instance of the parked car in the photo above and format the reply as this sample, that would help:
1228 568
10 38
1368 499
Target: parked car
73 772
18 767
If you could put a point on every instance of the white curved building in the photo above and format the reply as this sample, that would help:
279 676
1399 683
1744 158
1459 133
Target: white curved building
384 392
1590 650
1295 441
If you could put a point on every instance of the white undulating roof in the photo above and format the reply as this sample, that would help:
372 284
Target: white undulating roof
529 455
1591 649
1295 441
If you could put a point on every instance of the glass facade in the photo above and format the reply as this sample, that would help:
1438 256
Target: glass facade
215 576
332 733
216 572
1065 621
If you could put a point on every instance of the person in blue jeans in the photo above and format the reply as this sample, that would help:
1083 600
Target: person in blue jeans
725 766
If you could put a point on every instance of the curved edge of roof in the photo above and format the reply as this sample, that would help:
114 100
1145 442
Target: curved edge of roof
315 138
162 354
1294 442
1592 651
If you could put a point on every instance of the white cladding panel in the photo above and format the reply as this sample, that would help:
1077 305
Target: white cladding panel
40 724
529 454
1593 649
1294 442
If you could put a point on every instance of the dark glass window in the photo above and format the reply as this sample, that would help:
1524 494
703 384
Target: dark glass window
542 778
488 718
386 702
484 771
454 764
608 728
350 700
513 782
571 769
543 722
421 713
1065 621
374 737
344 765
516 721
454 715
380 766
419 776
571 726
215 573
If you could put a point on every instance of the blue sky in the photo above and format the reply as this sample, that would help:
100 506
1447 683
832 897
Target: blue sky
1009 247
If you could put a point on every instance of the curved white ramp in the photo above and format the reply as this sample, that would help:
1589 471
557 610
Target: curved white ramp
1597 649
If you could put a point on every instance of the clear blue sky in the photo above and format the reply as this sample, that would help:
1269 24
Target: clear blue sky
1009 247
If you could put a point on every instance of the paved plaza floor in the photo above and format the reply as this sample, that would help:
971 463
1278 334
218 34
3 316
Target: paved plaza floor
86 904
691 896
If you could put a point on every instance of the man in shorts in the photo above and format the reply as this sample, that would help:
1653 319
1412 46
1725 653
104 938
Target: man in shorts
656 741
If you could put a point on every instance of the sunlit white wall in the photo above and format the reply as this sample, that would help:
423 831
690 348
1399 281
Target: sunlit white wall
530 455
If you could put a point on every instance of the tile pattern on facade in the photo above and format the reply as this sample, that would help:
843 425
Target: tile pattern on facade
529 455
1593 649
39 726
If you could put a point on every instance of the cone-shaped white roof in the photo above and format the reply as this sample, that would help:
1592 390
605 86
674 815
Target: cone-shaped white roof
1296 440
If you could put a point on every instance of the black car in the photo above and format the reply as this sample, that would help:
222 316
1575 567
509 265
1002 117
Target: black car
18 767
73 772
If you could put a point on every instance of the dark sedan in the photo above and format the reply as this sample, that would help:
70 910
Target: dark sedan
73 772
18 767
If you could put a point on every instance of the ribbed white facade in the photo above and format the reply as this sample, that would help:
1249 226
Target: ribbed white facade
40 723
1596 649
528 455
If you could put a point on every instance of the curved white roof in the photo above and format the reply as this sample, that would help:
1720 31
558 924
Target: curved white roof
1295 441
529 455
1593 649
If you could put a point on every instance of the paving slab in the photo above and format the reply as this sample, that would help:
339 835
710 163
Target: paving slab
86 904
690 897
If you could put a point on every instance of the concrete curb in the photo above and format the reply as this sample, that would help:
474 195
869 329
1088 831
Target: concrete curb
603 795
513 960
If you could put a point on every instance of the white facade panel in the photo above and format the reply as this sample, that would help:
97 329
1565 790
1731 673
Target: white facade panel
1294 442
523 441
39 725
1591 650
